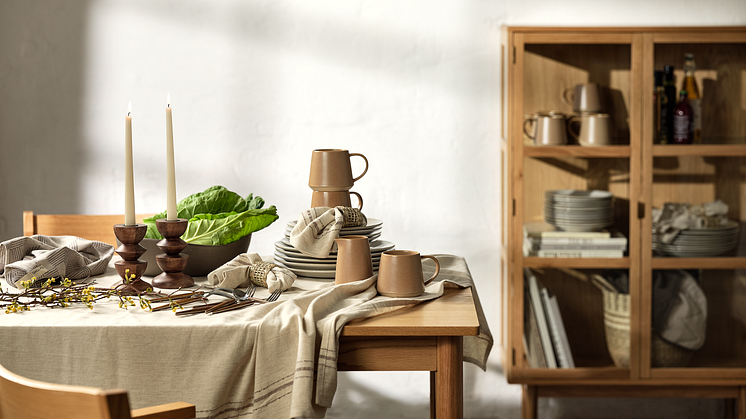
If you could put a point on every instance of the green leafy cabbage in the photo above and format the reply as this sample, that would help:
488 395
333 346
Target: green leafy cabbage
218 216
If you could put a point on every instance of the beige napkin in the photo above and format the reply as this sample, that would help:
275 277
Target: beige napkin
249 268
317 228
42 257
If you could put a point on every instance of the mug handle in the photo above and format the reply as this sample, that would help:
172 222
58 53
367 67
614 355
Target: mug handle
366 166
437 267
525 128
568 101
359 200
569 127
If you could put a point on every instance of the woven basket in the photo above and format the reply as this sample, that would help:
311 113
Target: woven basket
616 326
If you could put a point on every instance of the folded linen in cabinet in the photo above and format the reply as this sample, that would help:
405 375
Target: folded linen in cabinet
45 257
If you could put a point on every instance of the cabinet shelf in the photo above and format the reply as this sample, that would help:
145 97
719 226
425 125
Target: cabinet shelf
708 150
577 263
612 151
698 263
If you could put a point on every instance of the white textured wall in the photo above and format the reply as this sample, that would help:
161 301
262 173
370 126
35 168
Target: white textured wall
257 85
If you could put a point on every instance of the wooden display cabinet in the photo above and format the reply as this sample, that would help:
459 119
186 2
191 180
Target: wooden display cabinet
540 63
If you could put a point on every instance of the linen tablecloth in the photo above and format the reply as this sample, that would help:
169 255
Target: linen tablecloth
253 363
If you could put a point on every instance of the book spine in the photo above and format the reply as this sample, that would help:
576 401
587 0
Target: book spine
617 241
541 320
580 247
580 253
553 329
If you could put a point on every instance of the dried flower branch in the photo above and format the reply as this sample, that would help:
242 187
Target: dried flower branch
62 292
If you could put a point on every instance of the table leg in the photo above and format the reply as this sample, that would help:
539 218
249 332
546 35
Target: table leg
448 395
741 403
432 395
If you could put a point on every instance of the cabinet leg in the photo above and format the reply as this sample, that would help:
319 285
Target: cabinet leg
730 408
529 406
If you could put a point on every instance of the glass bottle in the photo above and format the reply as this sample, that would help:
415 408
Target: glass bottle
690 85
660 102
669 87
682 120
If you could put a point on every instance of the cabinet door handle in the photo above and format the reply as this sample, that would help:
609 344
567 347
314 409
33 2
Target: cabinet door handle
640 210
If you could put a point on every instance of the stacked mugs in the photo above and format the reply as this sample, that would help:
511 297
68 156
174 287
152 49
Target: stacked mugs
331 178
551 127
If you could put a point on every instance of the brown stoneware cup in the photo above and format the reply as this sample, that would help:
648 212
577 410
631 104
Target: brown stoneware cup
400 273
335 198
584 97
546 129
354 261
594 129
331 170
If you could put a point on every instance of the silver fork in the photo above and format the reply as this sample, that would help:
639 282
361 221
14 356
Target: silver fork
274 296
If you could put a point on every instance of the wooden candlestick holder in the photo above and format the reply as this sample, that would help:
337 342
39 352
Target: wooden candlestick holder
130 251
172 262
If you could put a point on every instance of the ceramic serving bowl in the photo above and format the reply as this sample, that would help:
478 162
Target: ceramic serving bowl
203 259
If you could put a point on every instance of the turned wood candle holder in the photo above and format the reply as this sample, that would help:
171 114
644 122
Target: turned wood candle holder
172 262
130 251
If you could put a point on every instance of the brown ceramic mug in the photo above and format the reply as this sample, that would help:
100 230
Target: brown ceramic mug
333 199
354 261
584 97
546 129
331 170
400 273
594 129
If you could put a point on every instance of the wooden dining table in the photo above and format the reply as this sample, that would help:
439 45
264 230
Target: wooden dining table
113 348
425 337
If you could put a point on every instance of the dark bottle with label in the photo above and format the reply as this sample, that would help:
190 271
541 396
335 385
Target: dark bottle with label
695 98
660 102
683 121
669 88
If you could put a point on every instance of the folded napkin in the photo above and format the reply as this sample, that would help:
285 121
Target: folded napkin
46 257
674 217
250 268
317 228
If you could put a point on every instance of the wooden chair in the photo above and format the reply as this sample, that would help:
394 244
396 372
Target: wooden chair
90 227
23 398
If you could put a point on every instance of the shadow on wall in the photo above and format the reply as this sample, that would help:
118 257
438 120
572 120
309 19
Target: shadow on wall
41 74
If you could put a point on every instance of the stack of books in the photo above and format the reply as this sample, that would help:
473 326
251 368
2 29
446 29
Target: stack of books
545 240
545 338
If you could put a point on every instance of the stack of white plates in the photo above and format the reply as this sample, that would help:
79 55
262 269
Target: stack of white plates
305 266
578 210
704 242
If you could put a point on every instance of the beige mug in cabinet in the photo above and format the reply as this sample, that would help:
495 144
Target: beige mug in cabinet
354 261
594 129
334 199
331 170
400 273
546 129
584 97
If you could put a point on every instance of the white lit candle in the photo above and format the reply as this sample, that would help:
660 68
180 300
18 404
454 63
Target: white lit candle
171 213
129 182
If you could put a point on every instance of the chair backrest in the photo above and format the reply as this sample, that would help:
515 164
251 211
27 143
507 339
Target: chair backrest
90 227
23 398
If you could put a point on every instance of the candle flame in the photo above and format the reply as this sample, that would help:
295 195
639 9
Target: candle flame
168 100
129 108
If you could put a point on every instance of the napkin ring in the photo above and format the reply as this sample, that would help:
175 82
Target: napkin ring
258 273
353 217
